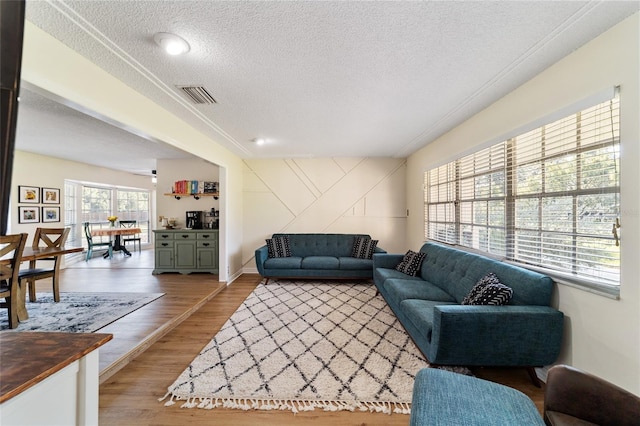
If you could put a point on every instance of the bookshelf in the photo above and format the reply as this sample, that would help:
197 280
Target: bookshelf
197 196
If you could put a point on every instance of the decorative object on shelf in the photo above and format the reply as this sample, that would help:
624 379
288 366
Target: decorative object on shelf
50 214
28 214
168 223
50 196
194 188
112 220
29 194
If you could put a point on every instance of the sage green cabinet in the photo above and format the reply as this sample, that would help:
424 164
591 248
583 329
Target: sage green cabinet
186 251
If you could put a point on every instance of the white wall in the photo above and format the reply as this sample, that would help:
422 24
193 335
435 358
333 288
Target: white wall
602 335
54 67
170 171
324 195
37 170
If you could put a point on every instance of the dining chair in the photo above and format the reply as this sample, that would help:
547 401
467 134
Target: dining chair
125 238
11 247
48 267
91 244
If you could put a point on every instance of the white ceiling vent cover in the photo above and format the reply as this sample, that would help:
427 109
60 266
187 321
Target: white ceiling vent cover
198 94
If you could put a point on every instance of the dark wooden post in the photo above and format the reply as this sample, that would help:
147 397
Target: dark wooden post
11 40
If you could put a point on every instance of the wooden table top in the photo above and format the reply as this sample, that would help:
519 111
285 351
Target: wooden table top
30 357
115 231
34 253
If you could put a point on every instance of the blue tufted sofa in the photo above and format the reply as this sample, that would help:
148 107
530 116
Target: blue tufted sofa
526 332
316 255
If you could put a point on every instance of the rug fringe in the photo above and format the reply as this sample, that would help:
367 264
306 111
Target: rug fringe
293 405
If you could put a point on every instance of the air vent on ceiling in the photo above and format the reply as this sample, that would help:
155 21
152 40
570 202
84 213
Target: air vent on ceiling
198 94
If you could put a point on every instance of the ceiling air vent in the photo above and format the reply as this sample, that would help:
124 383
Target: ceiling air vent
198 94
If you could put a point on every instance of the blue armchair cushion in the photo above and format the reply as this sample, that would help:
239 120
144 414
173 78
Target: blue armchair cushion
279 247
411 263
363 247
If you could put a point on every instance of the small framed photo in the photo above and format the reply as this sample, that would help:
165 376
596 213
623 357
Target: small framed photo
50 214
50 196
28 214
29 194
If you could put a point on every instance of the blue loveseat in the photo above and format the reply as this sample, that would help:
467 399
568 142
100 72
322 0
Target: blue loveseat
316 256
526 332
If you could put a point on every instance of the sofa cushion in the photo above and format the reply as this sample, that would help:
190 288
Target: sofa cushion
383 274
401 289
320 262
363 247
279 246
411 263
283 263
336 245
420 313
355 264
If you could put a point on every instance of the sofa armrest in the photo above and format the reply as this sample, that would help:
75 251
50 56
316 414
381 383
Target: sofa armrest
386 260
261 255
496 335
379 250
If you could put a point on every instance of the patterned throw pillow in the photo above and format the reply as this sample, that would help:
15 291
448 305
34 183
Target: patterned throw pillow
411 263
279 246
489 291
490 278
363 247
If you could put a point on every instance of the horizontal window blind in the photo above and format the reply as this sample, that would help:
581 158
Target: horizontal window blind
548 198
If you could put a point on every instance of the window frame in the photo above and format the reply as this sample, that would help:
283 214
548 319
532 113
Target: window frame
450 230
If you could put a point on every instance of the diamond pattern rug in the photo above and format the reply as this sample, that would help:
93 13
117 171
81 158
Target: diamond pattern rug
305 345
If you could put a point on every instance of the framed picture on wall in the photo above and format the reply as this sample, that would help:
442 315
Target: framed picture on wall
50 214
29 194
28 214
50 196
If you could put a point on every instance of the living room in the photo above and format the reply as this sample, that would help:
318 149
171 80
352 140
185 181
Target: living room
380 196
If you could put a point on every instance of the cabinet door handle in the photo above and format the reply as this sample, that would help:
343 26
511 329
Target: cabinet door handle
164 236
206 244
206 236
185 236
165 244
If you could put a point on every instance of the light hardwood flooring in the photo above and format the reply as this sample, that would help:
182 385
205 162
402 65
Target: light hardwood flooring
153 345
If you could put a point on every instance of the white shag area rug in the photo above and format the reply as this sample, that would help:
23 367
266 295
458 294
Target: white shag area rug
78 312
305 345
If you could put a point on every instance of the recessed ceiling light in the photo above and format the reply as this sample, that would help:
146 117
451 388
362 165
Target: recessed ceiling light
259 141
171 43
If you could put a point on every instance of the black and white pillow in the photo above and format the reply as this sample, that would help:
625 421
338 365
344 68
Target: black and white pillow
489 291
490 278
363 247
279 246
494 294
411 263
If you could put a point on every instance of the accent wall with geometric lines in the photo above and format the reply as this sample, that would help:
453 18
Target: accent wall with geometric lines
324 195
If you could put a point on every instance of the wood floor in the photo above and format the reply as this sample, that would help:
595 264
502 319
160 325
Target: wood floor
153 345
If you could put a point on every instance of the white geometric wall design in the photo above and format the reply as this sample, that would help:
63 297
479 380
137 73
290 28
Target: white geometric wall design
343 195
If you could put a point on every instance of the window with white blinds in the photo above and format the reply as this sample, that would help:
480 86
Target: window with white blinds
548 198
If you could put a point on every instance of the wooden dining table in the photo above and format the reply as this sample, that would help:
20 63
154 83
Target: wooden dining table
117 233
35 253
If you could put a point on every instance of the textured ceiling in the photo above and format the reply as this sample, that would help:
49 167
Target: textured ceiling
328 79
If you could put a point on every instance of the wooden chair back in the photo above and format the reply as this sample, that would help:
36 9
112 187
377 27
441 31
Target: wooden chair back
11 248
45 237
